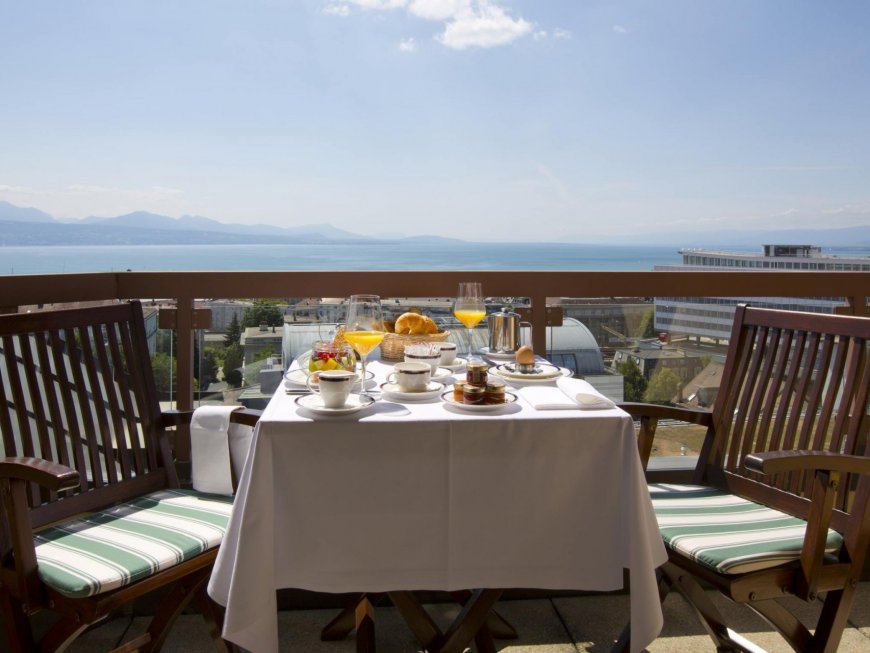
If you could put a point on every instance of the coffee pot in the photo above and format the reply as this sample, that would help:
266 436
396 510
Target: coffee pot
504 331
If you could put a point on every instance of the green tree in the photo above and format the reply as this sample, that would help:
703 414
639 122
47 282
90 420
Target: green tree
263 311
233 360
165 372
663 386
208 366
633 383
234 333
647 326
264 353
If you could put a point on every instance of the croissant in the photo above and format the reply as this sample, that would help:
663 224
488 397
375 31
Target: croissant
415 324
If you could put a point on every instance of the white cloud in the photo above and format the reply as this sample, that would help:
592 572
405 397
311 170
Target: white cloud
540 35
561 34
438 9
485 26
619 29
467 23
408 45
334 9
378 5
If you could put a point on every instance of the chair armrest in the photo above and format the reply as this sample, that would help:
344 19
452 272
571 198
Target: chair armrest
649 416
246 416
826 467
657 411
54 476
175 417
776 462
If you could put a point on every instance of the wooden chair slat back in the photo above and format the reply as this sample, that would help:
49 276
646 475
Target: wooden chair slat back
791 381
77 389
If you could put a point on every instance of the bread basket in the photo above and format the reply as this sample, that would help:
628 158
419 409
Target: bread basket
393 344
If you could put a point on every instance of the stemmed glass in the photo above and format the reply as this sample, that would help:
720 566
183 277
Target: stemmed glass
365 327
469 309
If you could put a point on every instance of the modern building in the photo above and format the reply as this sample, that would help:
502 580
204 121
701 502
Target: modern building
650 357
223 310
711 317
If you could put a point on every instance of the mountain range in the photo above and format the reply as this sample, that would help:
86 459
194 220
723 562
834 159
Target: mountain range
21 226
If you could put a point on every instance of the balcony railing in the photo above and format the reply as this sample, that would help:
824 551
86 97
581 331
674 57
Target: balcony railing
542 288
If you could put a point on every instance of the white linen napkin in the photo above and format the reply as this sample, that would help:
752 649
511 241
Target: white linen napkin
569 394
217 449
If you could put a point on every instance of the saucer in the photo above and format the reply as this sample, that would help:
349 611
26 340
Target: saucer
300 377
544 373
498 356
354 403
509 398
392 391
455 366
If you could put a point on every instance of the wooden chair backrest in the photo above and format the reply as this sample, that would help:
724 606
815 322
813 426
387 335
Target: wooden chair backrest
76 388
791 381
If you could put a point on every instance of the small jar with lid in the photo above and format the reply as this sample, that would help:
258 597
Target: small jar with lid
475 373
458 391
473 394
494 392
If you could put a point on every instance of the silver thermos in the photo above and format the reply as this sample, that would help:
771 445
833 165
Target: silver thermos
504 331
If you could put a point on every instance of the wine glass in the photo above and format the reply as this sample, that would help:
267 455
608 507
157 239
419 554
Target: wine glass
469 309
365 327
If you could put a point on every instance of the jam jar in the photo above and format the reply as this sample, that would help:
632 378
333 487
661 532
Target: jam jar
494 393
473 394
475 373
458 391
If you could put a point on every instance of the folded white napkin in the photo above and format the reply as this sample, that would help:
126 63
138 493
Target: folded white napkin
217 449
567 395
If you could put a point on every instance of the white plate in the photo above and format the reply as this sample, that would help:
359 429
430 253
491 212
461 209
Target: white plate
300 377
392 390
448 399
548 373
456 365
497 356
314 403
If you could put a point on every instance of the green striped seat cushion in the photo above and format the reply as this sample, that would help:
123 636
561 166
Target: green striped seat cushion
726 533
106 550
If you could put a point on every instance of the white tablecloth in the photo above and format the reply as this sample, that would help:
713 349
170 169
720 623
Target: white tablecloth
423 496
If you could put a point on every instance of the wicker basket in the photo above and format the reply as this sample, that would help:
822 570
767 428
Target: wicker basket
393 344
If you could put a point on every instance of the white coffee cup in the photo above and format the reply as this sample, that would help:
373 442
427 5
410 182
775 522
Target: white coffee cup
447 350
333 386
423 353
410 376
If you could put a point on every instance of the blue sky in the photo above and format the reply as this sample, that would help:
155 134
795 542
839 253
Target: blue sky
503 119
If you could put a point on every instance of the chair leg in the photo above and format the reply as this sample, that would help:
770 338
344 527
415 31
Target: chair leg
835 614
708 613
62 634
17 624
213 614
171 607
791 629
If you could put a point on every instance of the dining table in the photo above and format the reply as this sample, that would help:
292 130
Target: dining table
415 493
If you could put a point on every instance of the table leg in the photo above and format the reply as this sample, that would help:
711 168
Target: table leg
341 626
498 626
365 626
469 621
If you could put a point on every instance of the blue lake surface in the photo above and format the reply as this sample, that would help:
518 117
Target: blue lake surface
407 256
380 256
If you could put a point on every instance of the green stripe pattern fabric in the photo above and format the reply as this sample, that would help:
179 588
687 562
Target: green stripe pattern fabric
106 550
728 533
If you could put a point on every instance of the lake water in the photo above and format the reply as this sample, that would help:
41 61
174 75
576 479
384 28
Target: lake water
411 256
382 256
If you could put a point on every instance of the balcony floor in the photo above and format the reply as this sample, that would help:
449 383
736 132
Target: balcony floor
559 625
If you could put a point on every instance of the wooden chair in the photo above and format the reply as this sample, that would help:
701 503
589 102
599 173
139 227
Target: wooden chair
783 479
92 513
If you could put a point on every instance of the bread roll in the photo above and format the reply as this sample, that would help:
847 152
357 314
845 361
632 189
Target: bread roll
525 355
415 324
